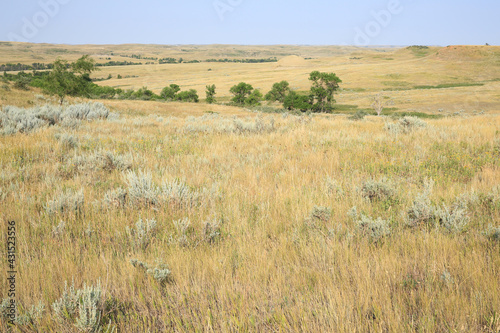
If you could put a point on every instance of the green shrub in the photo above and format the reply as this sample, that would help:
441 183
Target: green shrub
359 115
188 96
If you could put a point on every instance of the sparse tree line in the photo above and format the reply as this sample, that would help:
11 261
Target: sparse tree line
41 66
23 67
9 67
73 79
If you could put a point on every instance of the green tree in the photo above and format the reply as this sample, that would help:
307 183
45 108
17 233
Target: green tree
210 92
241 91
144 94
294 101
169 93
67 79
322 89
22 83
188 96
278 92
254 98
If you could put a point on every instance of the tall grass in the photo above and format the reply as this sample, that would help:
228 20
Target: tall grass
245 224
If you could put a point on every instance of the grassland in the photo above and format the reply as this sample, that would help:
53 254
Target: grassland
254 221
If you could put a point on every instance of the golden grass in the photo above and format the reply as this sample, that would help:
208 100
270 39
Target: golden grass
270 270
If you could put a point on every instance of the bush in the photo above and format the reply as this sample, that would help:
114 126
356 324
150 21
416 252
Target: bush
377 190
159 272
492 233
359 115
20 120
178 194
454 218
405 125
68 141
323 214
211 230
32 316
143 232
86 111
421 211
116 197
141 189
374 229
80 307
66 202
22 83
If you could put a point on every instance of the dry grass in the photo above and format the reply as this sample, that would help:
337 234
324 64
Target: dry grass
271 268
256 231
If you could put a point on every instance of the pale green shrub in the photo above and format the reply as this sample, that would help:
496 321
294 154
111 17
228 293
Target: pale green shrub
32 316
141 188
80 307
374 229
68 201
377 189
160 272
143 232
492 233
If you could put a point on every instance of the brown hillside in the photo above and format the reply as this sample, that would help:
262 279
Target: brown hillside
468 53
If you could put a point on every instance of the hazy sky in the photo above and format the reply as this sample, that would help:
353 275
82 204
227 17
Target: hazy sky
328 22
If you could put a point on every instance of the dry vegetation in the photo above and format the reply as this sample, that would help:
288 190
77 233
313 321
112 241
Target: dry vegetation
193 217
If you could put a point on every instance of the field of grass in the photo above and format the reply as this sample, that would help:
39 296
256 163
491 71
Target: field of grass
211 218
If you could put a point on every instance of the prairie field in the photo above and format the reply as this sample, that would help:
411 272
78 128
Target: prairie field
150 216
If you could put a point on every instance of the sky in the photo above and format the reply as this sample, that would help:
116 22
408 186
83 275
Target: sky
252 22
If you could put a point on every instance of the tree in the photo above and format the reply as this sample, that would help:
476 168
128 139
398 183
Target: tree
210 92
278 92
241 91
294 101
188 96
169 93
322 89
144 94
63 79
254 98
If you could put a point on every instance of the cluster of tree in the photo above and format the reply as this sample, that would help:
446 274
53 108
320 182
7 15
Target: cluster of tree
138 56
73 79
174 93
23 67
169 61
249 61
319 99
117 63
245 94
